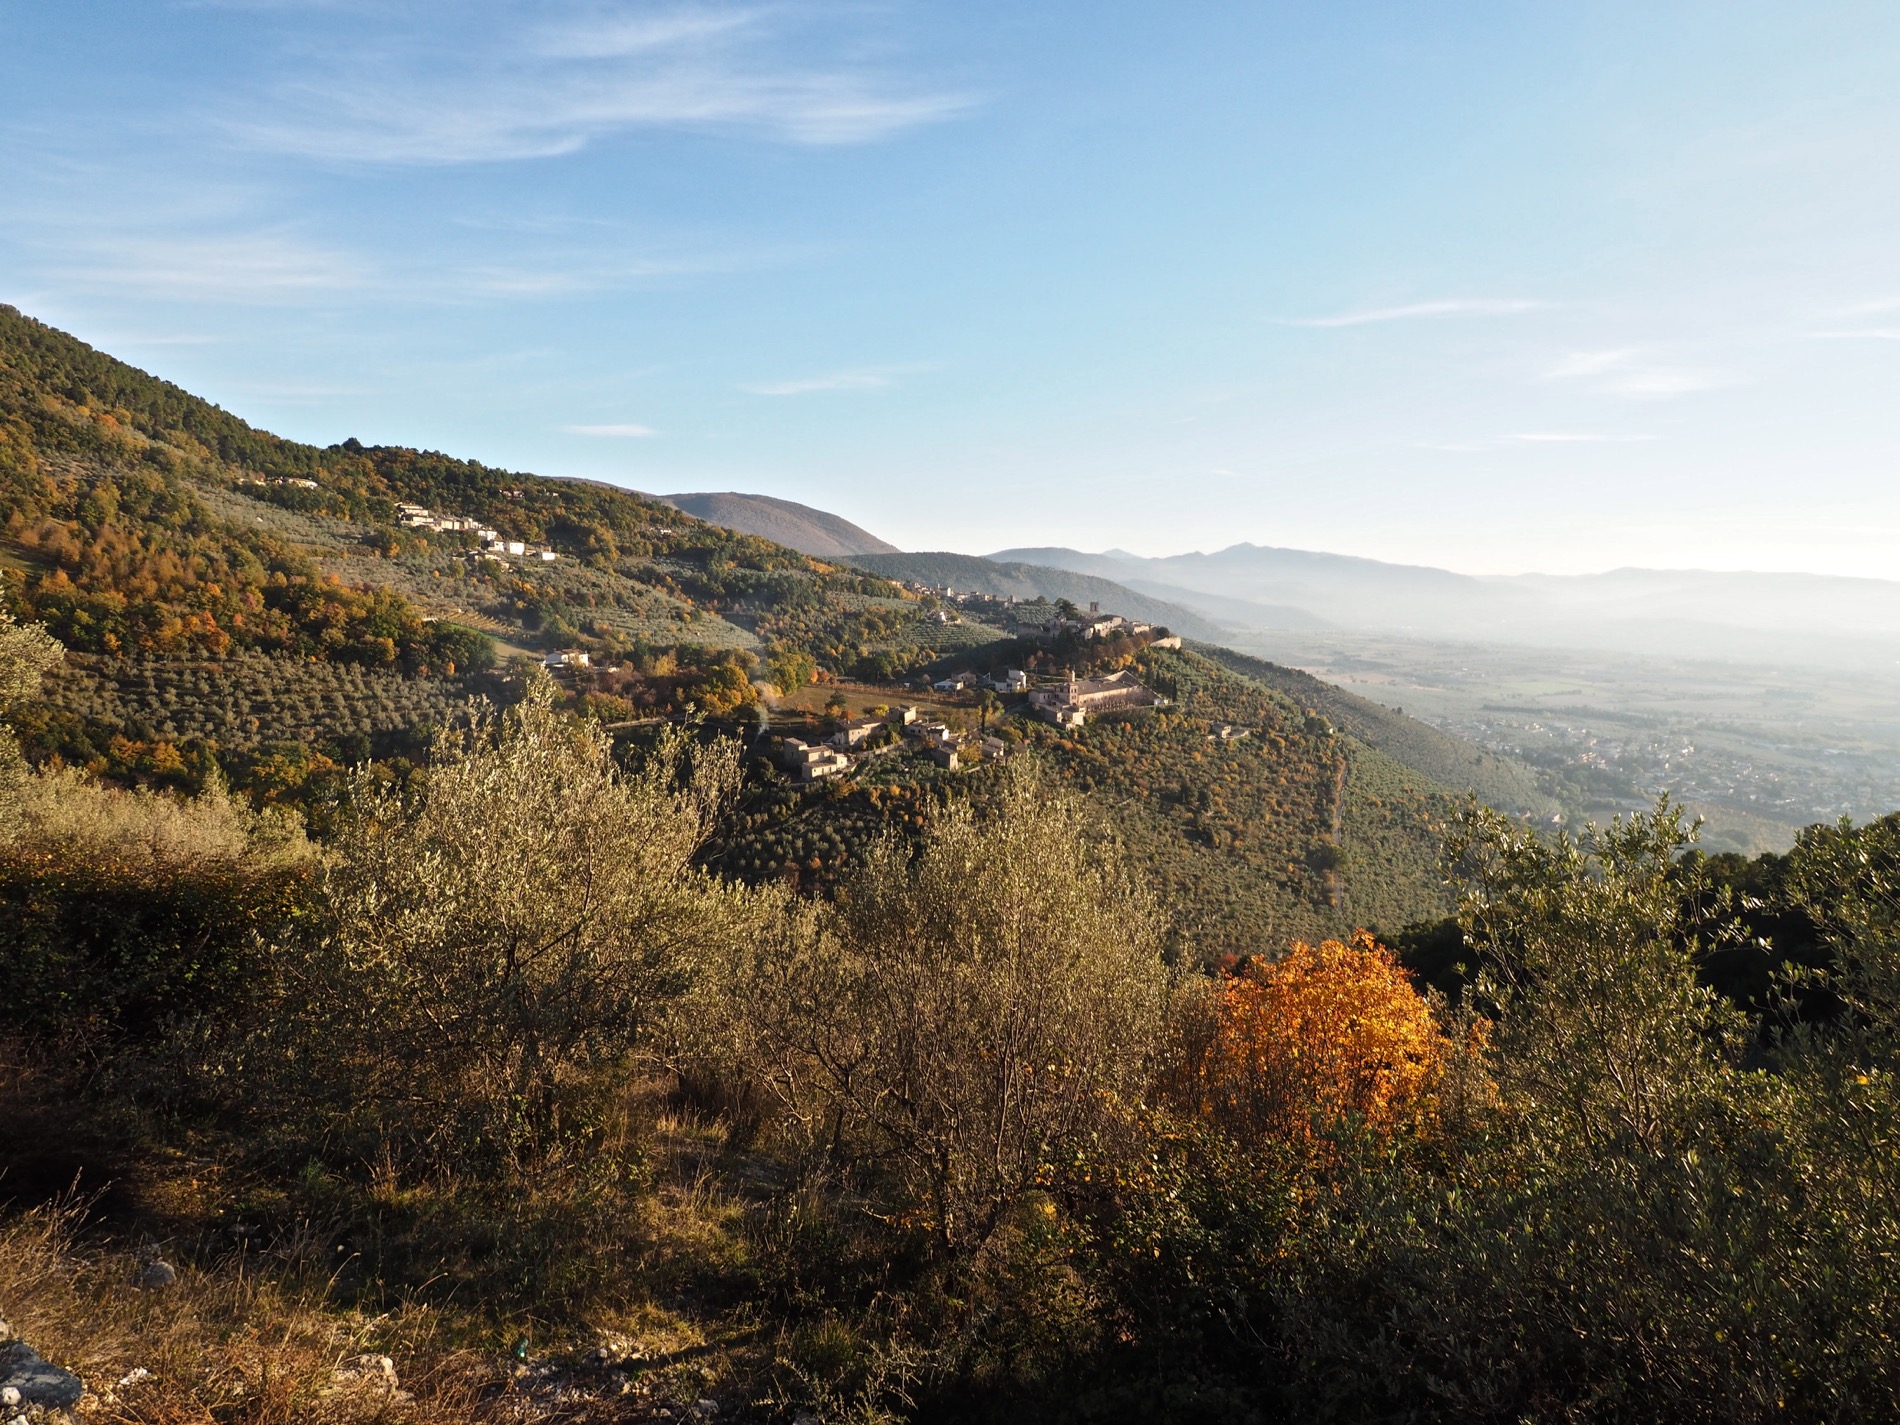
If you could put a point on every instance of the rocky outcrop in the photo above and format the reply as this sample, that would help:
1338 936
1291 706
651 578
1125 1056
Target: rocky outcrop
26 1378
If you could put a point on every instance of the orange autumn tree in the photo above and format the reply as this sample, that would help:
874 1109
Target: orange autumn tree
1330 1033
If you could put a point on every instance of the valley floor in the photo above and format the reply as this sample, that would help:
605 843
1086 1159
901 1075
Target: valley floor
1758 751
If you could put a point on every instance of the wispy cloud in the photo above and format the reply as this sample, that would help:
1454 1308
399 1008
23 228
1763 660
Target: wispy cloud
259 267
560 274
625 430
1661 382
220 259
1860 334
618 37
1533 437
505 83
1571 437
1446 307
1591 363
812 385
1624 371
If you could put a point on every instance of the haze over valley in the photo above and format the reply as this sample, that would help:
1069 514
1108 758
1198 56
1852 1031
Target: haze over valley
718 713
1763 702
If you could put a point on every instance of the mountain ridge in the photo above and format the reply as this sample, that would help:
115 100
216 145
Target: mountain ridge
1737 615
801 527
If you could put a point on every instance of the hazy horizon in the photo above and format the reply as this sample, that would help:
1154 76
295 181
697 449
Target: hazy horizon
1526 572
1559 290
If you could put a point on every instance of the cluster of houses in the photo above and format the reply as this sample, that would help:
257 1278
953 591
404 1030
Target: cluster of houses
951 596
299 483
1091 625
1066 704
494 544
1012 680
984 606
818 761
1096 624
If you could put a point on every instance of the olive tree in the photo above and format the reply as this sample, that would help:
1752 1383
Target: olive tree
494 943
969 1011
1847 879
27 654
1591 948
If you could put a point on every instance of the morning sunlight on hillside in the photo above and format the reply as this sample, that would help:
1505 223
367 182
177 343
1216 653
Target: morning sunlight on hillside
851 715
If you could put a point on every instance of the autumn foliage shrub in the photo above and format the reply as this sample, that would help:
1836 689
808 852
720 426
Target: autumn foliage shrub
1329 1035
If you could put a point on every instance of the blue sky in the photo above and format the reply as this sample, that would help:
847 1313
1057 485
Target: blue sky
1492 286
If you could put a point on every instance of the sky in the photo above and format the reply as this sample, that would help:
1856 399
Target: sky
1491 286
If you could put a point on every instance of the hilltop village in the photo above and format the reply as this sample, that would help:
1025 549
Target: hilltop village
952 719
1064 701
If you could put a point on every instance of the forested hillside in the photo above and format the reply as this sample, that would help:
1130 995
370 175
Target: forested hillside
235 602
1254 822
1259 822
1503 782
140 523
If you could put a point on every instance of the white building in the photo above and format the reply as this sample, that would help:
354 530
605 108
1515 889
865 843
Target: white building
934 734
812 764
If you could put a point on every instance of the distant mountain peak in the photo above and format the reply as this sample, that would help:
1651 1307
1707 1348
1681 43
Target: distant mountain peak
809 531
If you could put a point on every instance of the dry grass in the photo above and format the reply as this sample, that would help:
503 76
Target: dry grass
257 1338
693 1216
235 1345
259 1343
